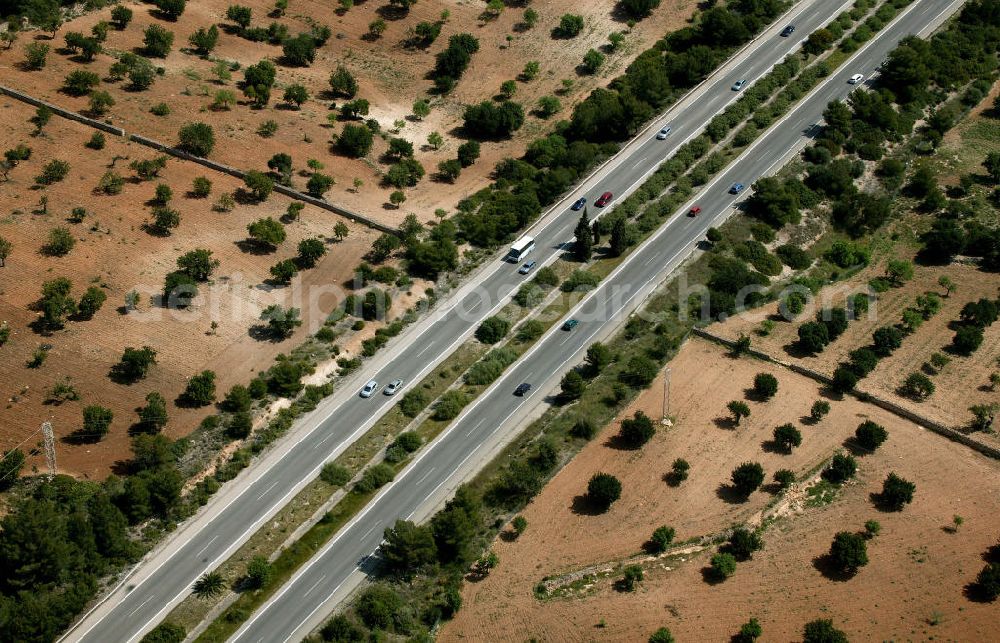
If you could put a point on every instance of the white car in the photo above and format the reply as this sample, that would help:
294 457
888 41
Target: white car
855 79
369 389
663 134
394 386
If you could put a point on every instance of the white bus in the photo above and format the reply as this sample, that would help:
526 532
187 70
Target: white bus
520 249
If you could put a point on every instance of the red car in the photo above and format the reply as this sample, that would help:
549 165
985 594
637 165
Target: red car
603 200
695 211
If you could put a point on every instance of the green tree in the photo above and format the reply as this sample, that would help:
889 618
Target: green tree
765 385
343 83
603 490
787 437
91 302
722 566
200 389
896 493
573 385
171 9
492 330
203 40
747 477
548 106
35 54
848 552
739 410
11 464
266 233
743 543
59 243
842 467
80 82
749 632
153 416
196 138
592 61
870 435
408 547
598 356
157 41
822 631
259 572
583 246
661 539
636 431
570 25
121 16
280 321
198 263
631 575
209 585
96 422
354 141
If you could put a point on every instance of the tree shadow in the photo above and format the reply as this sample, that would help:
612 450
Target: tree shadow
710 576
855 449
770 446
792 349
392 12
617 443
824 565
583 506
81 436
975 593
251 247
672 479
726 423
730 494
883 505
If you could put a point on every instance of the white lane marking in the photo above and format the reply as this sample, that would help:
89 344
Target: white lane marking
141 604
315 585
429 346
475 427
649 261
202 550
424 477
268 489
566 339
365 535
640 162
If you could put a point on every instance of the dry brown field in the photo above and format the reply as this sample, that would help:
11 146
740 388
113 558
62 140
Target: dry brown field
916 573
391 77
964 382
115 253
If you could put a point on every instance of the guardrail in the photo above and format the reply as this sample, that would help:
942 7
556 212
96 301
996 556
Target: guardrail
180 154
888 405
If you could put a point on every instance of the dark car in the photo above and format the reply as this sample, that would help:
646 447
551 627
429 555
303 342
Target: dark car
582 201
570 324
522 389
604 199
736 189
787 31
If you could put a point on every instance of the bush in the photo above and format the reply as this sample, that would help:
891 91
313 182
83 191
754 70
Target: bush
201 187
661 539
967 339
374 478
743 543
197 139
580 280
822 631
570 26
59 243
492 330
794 257
355 141
896 492
157 41
747 478
449 405
377 607
490 120
784 478
841 468
918 386
200 389
765 385
299 51
584 428
848 552
722 566
334 474
52 172
80 82
603 490
636 431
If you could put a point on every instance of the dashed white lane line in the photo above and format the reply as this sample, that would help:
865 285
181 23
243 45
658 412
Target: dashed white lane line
264 493
315 585
202 550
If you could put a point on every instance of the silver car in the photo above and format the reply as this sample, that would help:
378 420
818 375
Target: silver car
739 84
663 134
369 389
394 386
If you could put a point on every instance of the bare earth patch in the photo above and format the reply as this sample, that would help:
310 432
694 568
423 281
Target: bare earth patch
917 570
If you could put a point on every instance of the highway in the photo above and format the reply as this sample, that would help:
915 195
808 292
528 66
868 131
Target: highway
165 577
314 590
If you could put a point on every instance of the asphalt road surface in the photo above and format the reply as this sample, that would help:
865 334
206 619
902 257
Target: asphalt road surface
163 580
295 610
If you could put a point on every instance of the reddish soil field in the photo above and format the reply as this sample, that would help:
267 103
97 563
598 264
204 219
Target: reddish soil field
113 251
961 384
391 77
916 573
